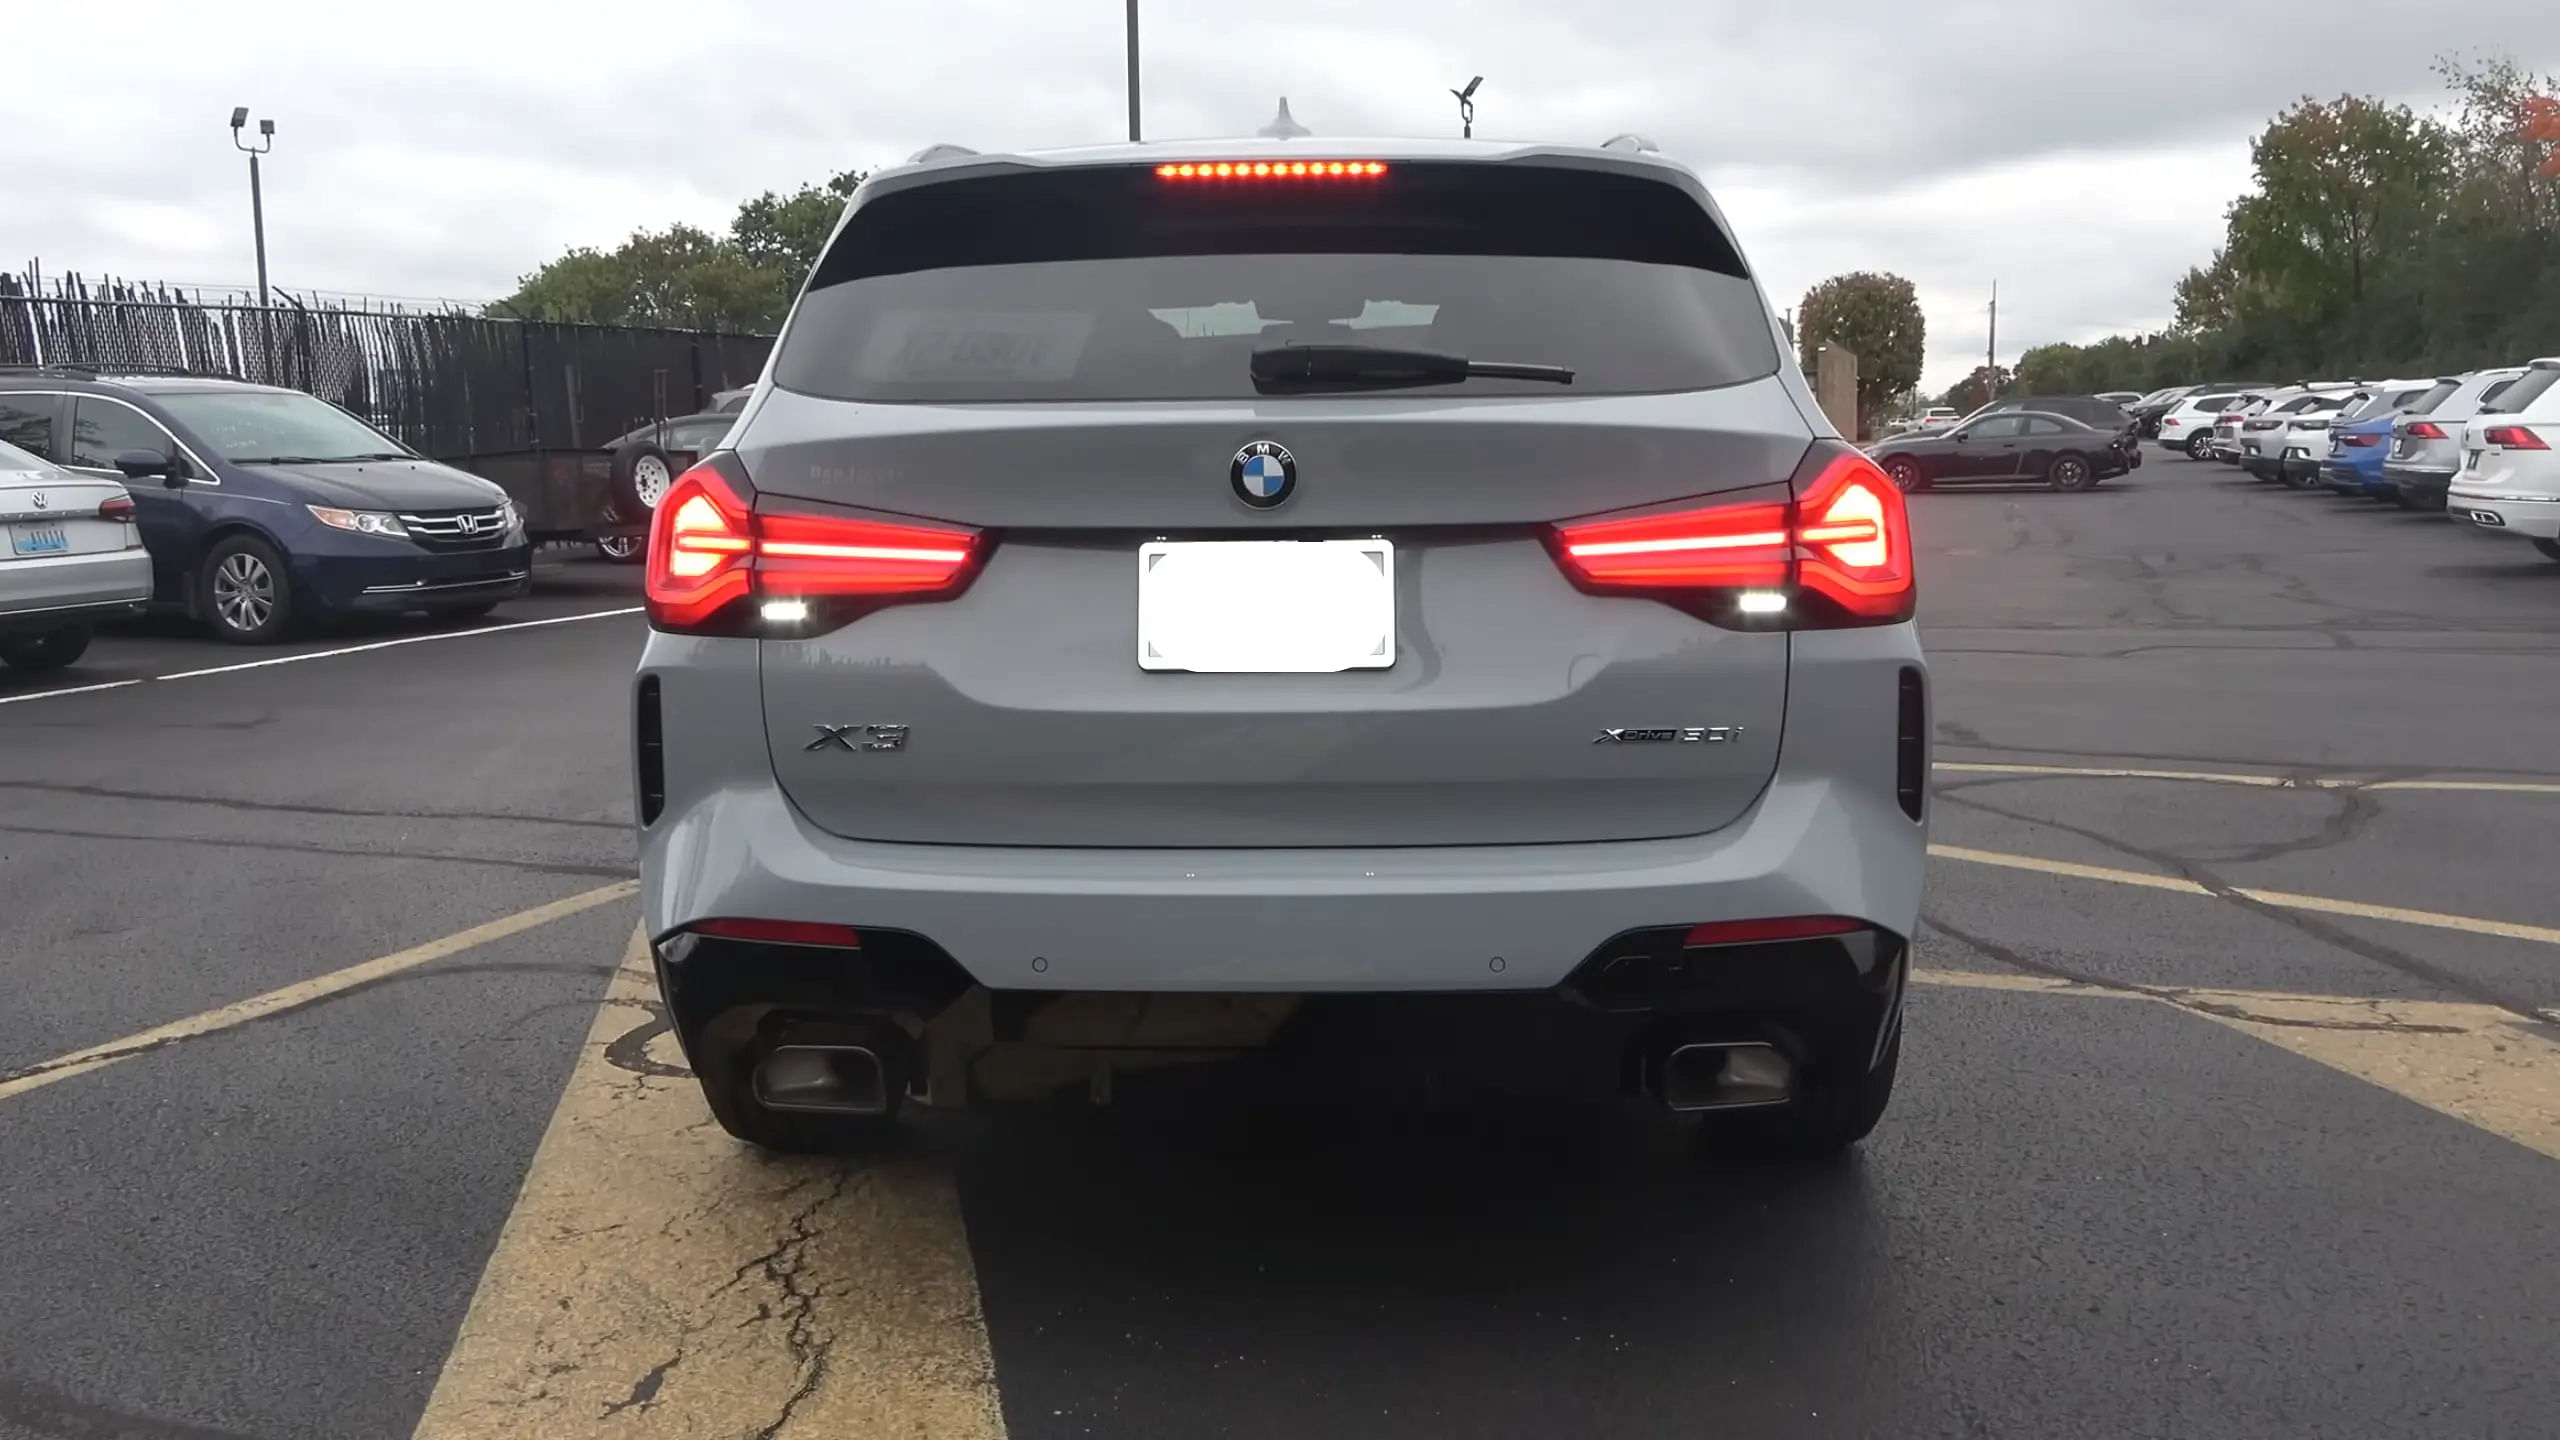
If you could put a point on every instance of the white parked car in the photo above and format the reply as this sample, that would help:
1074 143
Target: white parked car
2258 439
1940 417
2426 447
2510 476
2189 426
70 555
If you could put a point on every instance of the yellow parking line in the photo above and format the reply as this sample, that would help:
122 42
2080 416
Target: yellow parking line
302 992
2280 899
2477 1063
658 1279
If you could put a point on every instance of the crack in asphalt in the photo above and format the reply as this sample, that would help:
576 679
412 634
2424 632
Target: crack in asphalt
227 802
2181 997
783 1266
2387 956
86 1058
629 1050
230 842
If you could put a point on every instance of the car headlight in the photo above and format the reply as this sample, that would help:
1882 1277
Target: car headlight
362 522
514 518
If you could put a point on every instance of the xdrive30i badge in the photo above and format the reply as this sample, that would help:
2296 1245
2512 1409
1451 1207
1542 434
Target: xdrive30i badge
1677 735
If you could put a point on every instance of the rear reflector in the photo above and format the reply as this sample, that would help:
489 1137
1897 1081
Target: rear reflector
2425 430
2514 437
780 932
1845 542
1761 932
1272 170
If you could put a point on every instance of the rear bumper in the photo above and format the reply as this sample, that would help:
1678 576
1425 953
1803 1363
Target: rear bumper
2536 519
1827 837
46 594
2425 485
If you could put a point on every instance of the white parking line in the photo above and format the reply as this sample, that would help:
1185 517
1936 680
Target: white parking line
69 690
387 644
2261 781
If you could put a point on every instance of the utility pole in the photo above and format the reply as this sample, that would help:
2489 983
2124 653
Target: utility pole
1133 72
257 201
1991 357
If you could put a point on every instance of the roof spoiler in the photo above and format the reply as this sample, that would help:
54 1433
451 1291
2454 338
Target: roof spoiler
931 153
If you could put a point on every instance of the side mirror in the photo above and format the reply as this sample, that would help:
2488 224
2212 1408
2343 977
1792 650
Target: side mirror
1961 435
143 464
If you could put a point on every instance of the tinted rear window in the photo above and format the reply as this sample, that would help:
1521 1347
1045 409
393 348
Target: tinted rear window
2520 392
2435 395
2216 404
1114 284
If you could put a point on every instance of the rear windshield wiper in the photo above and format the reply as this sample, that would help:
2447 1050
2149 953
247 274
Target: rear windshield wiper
1375 367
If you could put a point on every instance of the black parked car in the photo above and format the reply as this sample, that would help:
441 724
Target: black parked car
2010 446
263 507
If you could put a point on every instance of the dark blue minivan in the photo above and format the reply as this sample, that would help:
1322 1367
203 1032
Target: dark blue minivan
264 507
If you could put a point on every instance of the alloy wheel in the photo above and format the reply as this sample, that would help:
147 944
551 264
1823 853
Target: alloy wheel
244 592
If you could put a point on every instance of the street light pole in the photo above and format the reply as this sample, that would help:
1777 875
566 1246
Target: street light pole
1133 72
257 199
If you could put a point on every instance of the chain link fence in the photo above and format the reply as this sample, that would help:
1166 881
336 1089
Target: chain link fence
450 384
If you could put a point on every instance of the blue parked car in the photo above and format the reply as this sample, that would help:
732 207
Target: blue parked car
264 507
2360 438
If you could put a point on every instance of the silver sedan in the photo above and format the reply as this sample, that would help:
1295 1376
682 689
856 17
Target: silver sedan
69 556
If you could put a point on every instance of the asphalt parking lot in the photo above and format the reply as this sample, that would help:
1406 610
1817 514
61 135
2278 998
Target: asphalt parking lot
332 1103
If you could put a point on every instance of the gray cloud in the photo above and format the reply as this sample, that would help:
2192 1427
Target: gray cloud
2081 152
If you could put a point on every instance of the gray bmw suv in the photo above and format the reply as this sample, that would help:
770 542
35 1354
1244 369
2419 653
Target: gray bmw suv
1391 610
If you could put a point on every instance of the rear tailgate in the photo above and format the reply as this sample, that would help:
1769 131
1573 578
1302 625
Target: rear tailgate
1085 413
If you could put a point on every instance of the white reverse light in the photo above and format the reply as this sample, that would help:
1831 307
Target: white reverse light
786 612
1762 602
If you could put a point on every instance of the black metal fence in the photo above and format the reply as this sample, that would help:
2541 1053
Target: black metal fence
448 383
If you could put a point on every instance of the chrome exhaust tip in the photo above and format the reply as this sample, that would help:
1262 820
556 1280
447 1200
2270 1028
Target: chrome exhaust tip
834 1079
1724 1075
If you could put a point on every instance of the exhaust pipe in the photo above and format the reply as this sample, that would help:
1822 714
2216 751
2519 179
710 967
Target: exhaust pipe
1724 1075
835 1079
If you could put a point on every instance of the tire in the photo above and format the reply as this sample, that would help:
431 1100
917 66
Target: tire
641 475
1905 475
1829 1117
2200 445
2071 472
2550 548
623 549
51 650
243 592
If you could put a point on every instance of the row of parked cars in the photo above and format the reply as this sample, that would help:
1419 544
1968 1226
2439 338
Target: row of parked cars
2483 445
248 507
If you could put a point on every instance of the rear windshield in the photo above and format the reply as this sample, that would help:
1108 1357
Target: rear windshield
2520 392
2216 404
1116 284
2436 395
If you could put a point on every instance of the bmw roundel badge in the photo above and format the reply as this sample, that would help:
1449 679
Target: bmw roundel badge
1264 474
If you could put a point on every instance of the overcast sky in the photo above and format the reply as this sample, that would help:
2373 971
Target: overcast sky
2078 152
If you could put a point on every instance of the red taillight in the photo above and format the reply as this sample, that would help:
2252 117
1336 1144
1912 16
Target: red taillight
116 507
1761 932
712 556
781 932
1272 170
2513 437
1843 546
2362 442
2425 430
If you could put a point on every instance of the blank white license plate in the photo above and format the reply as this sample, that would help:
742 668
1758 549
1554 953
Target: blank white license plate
37 540
1285 607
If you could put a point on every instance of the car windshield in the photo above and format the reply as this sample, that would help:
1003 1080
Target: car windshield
1136 287
14 459
274 427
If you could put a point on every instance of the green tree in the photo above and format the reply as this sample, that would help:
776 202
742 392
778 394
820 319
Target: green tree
1876 318
1978 389
686 276
784 233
